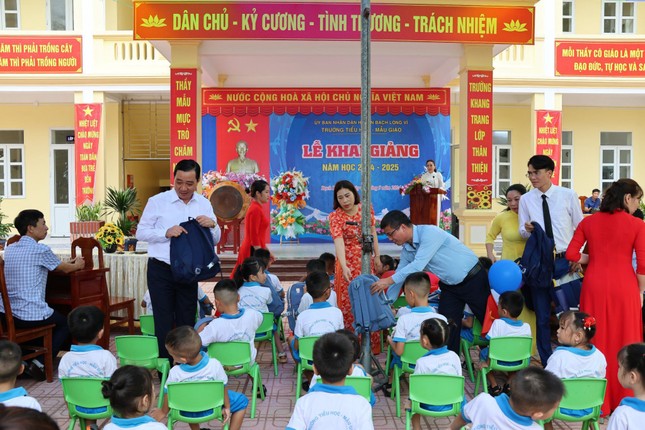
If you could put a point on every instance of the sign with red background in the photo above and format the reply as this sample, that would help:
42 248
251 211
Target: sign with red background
33 54
87 131
615 59
479 175
333 21
549 138
184 114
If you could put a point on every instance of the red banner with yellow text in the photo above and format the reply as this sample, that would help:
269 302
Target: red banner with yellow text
333 21
585 58
41 54
87 132
549 138
479 175
184 114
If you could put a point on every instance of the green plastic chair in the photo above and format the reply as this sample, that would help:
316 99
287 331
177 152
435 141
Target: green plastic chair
147 323
412 351
306 351
362 385
143 351
236 357
435 390
582 393
400 302
466 345
506 349
85 393
195 396
265 333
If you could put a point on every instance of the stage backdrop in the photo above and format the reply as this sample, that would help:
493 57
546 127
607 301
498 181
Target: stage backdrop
317 131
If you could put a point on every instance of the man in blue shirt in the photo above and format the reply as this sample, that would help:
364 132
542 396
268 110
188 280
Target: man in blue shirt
592 204
463 280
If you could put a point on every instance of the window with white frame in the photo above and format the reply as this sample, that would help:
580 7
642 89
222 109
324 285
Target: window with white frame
566 160
615 157
9 14
618 16
501 161
12 163
60 15
567 16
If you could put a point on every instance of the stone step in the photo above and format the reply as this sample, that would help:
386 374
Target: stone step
287 270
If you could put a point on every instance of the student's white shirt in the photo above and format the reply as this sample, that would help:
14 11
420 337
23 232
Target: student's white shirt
254 296
506 327
569 362
140 423
275 282
486 412
241 326
87 361
208 369
146 298
408 325
438 361
307 300
630 415
18 397
327 407
320 318
403 310
356 371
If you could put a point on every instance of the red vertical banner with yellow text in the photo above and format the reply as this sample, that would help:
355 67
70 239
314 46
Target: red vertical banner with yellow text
549 138
479 161
184 114
87 131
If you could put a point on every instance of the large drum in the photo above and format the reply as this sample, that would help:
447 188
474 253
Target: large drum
229 200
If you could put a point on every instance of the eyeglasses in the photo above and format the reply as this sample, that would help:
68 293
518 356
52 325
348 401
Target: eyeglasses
389 234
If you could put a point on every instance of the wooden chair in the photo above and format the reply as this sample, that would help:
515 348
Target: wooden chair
112 303
13 239
582 203
21 335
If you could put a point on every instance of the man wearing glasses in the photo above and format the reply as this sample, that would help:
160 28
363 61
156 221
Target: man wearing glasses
463 279
557 211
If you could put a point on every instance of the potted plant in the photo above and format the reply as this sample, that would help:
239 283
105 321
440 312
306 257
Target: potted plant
123 203
88 220
5 228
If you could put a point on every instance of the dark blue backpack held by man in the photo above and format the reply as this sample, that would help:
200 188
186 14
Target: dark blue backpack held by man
192 254
537 261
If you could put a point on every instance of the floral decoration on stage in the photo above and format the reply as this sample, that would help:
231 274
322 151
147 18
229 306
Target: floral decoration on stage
212 178
290 191
445 220
407 188
110 236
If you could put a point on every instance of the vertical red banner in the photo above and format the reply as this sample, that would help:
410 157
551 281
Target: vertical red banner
87 131
549 138
184 114
479 161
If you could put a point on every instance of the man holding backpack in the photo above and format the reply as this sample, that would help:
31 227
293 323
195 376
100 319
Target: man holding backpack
160 222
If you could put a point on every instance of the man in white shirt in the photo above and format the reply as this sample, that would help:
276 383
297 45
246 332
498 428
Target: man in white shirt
174 302
565 215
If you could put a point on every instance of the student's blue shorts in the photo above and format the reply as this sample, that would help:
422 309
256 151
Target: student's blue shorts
238 402
296 353
91 410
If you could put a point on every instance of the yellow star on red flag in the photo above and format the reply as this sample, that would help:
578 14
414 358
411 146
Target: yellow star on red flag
88 111
548 118
250 126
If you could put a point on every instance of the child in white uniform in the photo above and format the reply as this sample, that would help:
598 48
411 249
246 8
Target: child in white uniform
10 367
630 415
331 404
249 276
87 359
131 396
509 305
535 394
233 323
191 364
439 359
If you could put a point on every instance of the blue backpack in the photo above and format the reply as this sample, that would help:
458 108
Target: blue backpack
537 263
192 255
372 312
277 304
294 297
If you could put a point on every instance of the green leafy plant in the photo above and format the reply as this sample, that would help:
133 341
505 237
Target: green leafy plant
123 203
5 228
91 212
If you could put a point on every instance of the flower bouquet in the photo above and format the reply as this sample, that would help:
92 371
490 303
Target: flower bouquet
407 188
110 236
290 187
289 222
212 178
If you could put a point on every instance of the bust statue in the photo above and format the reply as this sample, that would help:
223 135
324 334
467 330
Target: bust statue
241 164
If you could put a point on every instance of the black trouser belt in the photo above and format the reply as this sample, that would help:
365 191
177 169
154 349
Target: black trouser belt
560 255
471 274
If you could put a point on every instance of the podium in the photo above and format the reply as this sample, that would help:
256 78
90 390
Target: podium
425 207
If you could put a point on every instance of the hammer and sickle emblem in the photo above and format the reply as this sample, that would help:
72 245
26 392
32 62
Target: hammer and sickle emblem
234 125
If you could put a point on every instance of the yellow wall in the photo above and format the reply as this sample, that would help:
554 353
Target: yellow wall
33 15
147 176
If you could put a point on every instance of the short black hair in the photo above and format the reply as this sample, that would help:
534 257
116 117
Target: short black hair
356 343
316 265
535 390
26 218
541 162
258 187
317 283
387 260
632 358
333 357
226 291
436 330
329 259
419 282
595 190
19 418
187 166
513 302
394 219
10 360
125 387
85 323
263 254
185 341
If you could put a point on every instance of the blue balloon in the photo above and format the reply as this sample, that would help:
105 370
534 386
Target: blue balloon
505 276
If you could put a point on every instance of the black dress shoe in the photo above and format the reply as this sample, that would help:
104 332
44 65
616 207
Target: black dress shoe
35 371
